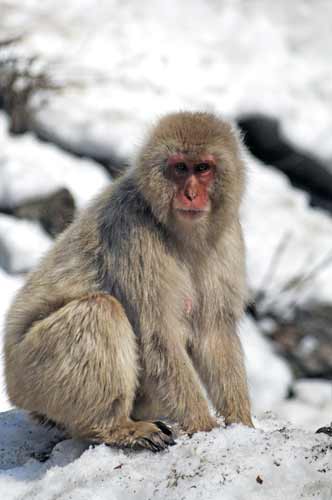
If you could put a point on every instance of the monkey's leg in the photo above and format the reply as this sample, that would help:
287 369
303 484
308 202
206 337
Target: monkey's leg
219 361
79 368
175 384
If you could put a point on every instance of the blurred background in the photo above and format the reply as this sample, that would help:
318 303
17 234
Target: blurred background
80 83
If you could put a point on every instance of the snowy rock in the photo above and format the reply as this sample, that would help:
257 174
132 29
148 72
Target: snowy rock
263 136
21 438
23 243
54 212
272 461
306 340
30 168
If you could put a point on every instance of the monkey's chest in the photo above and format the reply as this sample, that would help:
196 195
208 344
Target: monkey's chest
202 305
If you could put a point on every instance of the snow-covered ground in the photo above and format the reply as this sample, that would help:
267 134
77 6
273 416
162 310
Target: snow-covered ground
127 63
274 461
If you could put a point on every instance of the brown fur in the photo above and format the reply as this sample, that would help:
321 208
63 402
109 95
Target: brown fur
100 340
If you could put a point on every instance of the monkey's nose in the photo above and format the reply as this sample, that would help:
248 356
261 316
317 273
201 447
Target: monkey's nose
191 194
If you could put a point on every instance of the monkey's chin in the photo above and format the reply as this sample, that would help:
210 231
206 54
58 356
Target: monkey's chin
190 215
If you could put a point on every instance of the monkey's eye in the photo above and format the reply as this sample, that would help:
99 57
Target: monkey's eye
202 167
180 168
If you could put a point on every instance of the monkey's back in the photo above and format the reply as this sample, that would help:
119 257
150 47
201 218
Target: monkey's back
96 253
66 271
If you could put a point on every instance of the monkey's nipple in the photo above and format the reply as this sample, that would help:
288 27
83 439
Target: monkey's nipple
188 305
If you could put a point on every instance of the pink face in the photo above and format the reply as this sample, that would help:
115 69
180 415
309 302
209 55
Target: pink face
192 180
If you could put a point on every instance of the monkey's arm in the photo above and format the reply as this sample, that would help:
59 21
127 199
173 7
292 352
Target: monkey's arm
218 353
219 361
178 385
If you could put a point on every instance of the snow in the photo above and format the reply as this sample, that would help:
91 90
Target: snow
133 62
288 463
278 217
314 391
123 64
23 242
311 406
268 386
31 168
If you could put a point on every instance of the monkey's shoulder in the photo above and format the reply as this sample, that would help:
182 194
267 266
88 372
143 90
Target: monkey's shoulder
122 217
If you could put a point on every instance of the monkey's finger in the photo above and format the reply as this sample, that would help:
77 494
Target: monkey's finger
161 439
168 435
147 443
164 428
155 443
167 439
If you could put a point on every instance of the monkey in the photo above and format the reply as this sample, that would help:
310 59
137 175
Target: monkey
133 313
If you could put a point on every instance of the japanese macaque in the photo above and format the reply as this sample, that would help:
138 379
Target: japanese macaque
135 309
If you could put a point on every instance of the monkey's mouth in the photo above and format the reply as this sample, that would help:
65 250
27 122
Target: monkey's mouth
191 213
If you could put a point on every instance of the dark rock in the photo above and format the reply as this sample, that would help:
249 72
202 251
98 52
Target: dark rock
55 212
265 140
22 439
325 430
306 341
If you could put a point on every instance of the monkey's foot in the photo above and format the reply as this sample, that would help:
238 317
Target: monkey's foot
154 436
155 440
239 419
200 425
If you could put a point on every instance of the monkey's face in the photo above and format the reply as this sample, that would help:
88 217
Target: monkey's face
190 171
192 179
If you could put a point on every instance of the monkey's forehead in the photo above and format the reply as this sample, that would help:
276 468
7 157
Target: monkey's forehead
167 147
192 133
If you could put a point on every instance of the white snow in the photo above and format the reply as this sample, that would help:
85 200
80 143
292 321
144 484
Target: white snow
23 242
314 391
311 406
275 461
134 61
269 376
123 65
31 168
277 219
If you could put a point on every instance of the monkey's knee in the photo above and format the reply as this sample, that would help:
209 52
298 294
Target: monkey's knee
78 366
